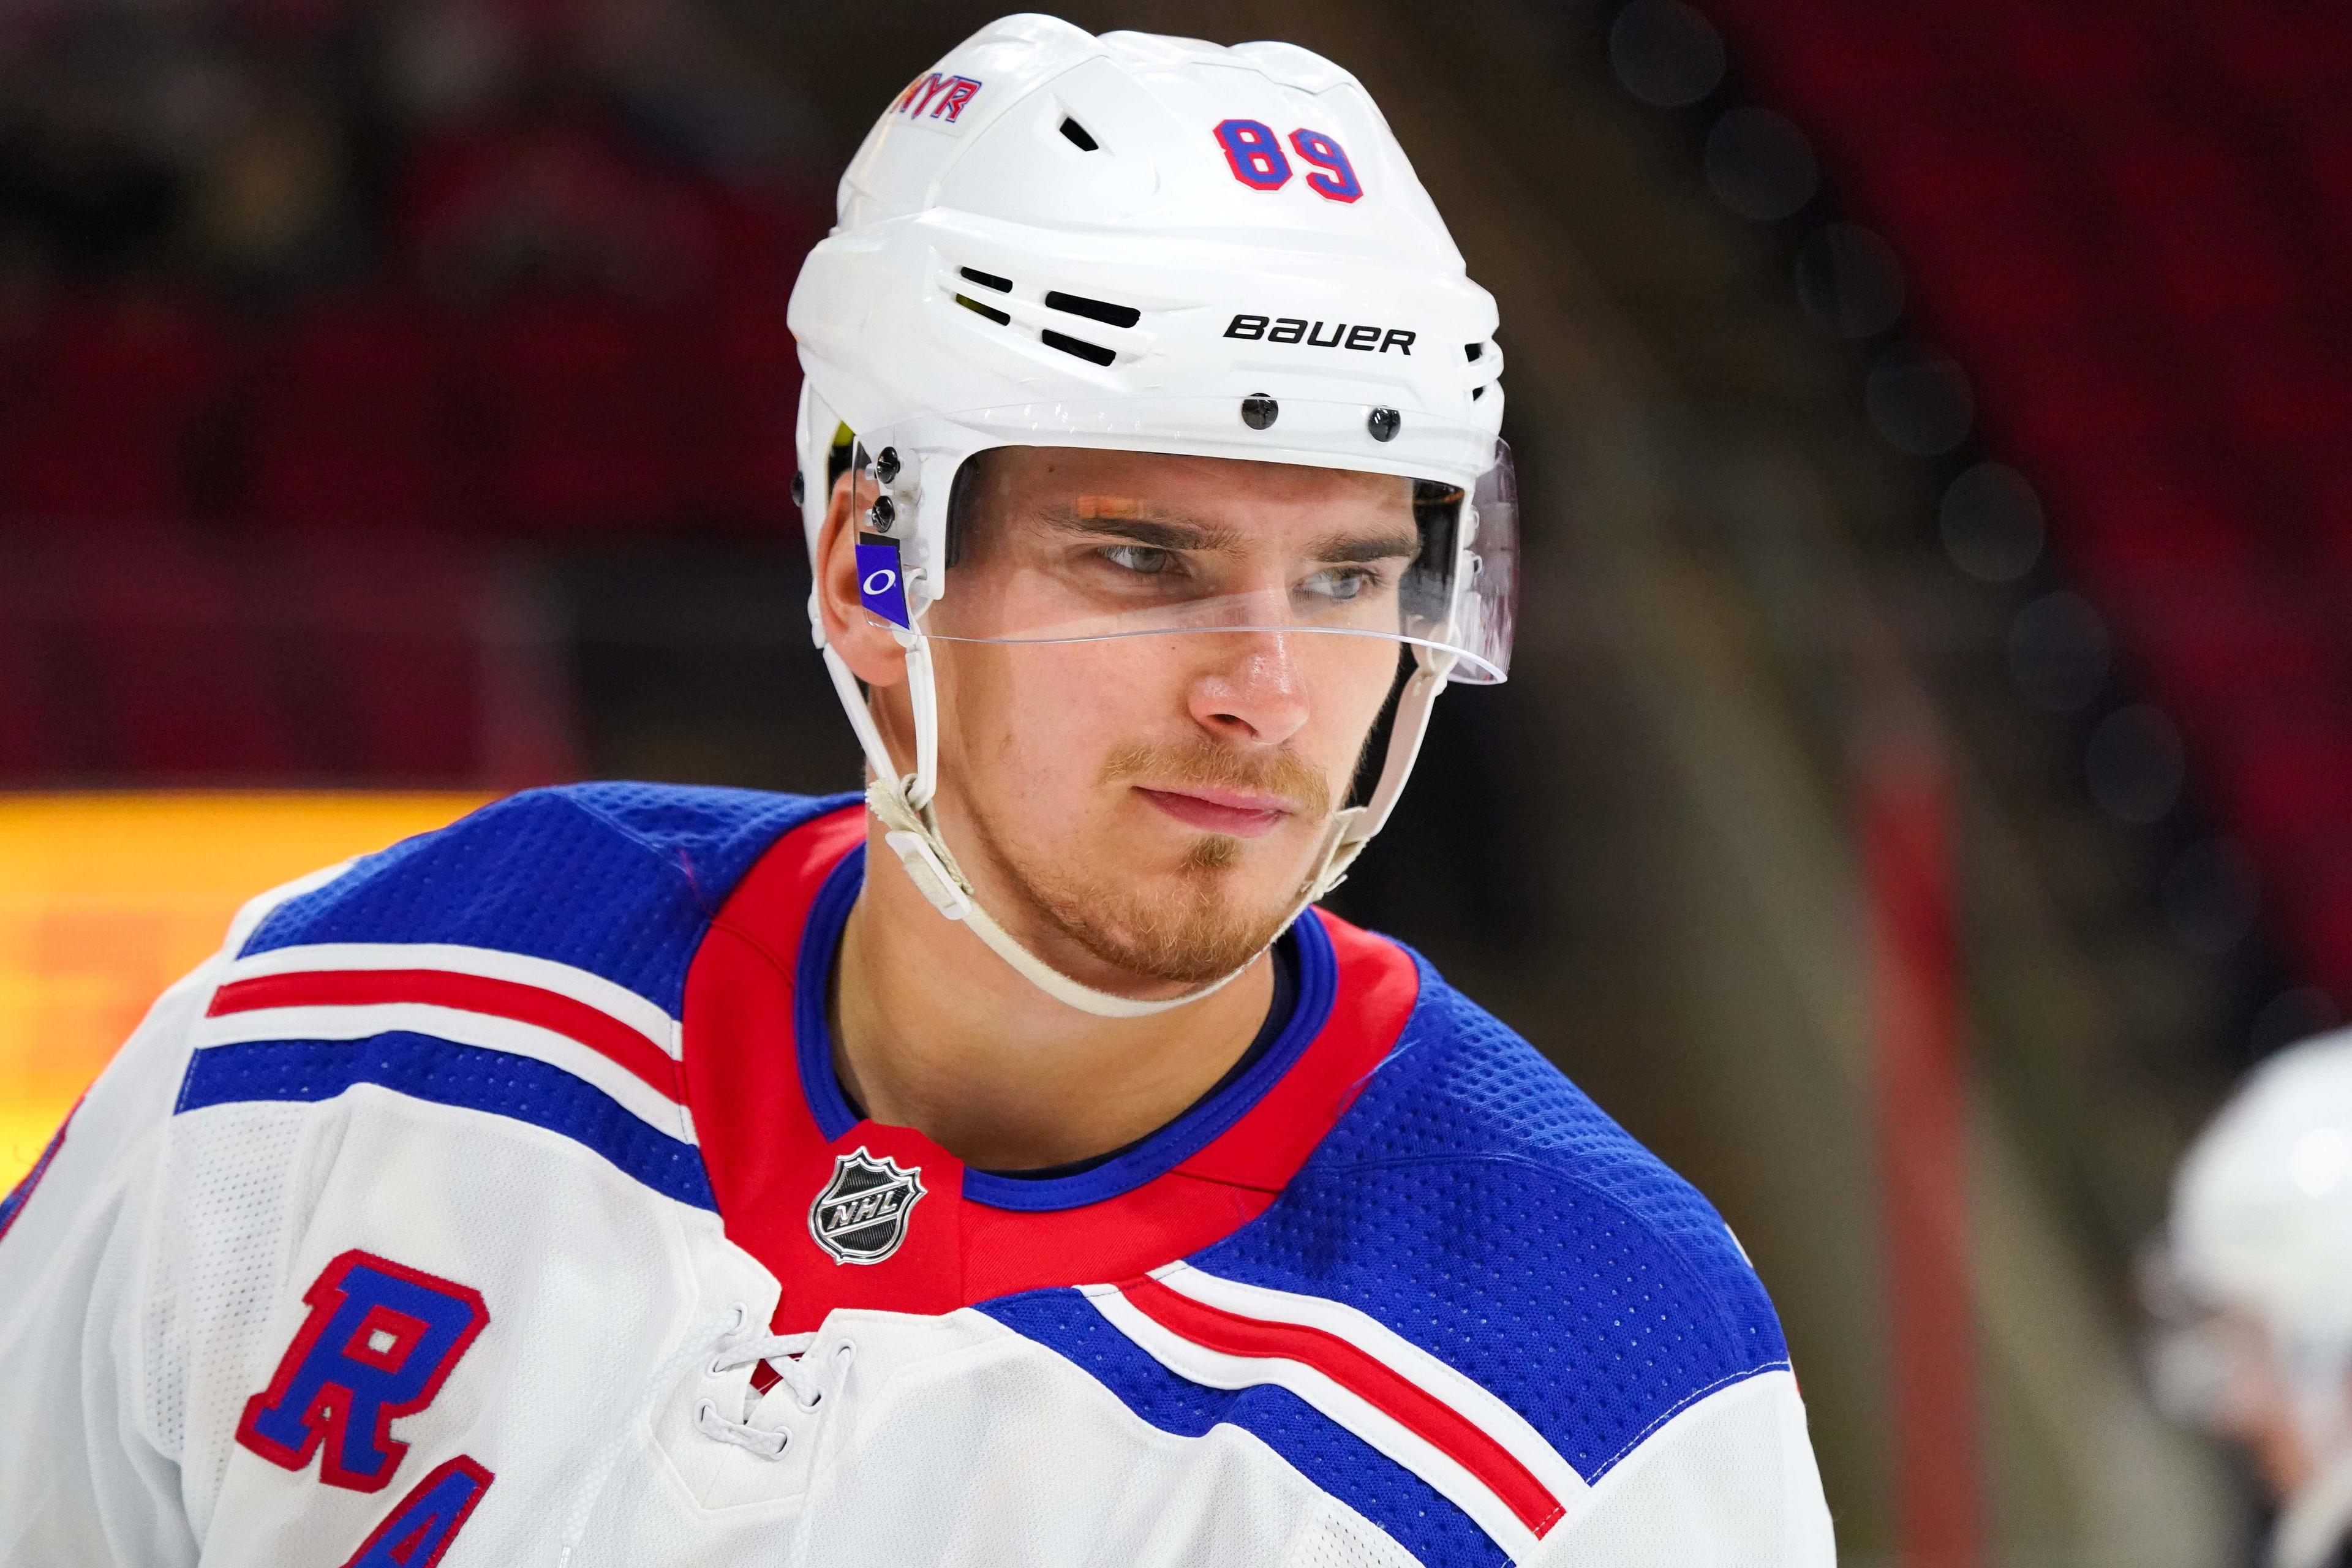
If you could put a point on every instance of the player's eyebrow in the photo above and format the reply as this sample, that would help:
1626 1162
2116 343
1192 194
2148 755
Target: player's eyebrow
1122 518
1350 548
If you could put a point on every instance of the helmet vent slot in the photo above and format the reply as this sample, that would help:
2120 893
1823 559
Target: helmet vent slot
1001 285
1077 136
1069 346
1474 352
1477 393
1093 310
991 312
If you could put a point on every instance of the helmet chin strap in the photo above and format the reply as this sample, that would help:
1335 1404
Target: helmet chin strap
904 805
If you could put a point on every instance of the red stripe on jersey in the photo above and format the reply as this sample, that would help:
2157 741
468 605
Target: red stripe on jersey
510 999
1406 1402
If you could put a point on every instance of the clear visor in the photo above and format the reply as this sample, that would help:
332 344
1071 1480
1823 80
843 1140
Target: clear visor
1061 544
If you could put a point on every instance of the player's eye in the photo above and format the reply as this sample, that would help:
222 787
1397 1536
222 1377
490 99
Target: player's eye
1144 560
1342 585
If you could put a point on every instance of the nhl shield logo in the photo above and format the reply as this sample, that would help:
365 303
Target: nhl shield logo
861 1216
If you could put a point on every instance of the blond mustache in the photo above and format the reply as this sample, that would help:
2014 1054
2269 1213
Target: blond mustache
1279 774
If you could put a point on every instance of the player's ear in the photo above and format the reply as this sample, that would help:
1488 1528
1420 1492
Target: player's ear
869 650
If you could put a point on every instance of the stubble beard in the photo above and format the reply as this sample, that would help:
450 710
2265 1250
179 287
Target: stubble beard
1195 931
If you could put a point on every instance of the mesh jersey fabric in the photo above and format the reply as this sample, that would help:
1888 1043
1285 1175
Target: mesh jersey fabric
234 1172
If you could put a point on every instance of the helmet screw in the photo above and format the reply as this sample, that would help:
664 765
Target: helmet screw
886 465
1258 410
1383 423
799 487
883 513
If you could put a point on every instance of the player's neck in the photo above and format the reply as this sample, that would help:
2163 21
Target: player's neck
933 1031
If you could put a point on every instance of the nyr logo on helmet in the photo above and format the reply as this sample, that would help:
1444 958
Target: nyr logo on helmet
861 1216
938 98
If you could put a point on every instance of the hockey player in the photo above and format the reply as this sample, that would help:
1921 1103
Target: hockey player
1009 1167
2255 1290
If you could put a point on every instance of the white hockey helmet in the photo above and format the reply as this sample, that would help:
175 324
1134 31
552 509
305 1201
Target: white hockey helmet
2262 1214
1156 245
2261 1237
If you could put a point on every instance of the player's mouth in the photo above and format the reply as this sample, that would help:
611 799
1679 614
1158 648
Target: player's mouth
1236 812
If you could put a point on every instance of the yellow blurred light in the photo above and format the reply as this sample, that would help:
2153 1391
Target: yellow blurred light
107 898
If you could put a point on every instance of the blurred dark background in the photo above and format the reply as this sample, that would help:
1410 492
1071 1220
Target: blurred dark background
399 393
1924 784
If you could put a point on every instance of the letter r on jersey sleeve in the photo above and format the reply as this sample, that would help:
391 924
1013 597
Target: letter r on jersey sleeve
380 1340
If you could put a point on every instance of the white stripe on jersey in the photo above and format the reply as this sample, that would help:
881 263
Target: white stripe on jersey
1447 1474
619 1002
1392 1350
484 1030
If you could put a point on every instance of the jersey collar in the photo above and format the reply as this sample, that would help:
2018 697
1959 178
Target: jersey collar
776 1137
1157 1155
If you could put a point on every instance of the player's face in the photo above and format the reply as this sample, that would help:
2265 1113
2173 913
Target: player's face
1159 799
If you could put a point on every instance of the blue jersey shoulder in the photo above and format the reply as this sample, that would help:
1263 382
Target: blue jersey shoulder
620 879
1477 1204
1481 1206
617 880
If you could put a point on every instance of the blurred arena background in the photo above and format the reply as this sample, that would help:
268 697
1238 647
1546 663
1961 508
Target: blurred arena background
1925 783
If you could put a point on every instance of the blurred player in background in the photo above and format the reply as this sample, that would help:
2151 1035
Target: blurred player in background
1010 1166
2256 1291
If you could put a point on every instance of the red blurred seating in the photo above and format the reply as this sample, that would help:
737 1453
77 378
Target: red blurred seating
2282 53
575 427
170 656
2154 308
349 427
739 392
2073 55
740 385
113 396
29 745
314 656
393 622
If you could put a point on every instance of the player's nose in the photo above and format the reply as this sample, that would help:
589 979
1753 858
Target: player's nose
1253 690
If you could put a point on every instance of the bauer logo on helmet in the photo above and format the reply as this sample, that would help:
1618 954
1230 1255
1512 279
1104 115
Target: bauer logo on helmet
1362 337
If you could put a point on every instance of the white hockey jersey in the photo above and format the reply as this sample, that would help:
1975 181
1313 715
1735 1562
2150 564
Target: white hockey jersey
493 1201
